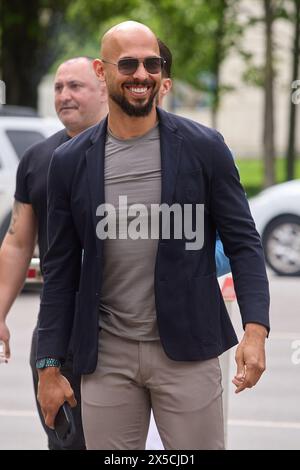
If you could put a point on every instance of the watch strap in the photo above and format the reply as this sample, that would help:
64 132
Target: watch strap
47 362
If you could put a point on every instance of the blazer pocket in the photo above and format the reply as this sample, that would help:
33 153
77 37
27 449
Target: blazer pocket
204 308
194 186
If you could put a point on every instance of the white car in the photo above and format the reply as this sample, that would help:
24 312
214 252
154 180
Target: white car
276 212
17 133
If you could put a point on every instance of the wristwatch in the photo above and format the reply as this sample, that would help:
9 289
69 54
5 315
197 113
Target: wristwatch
47 362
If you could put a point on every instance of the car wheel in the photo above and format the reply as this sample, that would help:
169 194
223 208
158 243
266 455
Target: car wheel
281 242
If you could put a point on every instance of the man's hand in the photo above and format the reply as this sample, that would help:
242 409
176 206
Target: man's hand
4 337
250 357
53 390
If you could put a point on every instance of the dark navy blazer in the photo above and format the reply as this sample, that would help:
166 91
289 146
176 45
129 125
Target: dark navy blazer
197 167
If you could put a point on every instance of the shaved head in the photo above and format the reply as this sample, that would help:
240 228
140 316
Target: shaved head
118 37
133 93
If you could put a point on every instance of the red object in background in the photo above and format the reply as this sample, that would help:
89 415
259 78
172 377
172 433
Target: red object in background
31 273
228 291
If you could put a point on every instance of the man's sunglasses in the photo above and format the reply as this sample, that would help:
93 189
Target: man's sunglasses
128 66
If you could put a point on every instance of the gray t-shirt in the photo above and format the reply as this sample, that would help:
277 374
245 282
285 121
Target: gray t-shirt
132 169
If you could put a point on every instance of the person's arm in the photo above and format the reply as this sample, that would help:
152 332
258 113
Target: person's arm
61 267
222 262
242 245
15 255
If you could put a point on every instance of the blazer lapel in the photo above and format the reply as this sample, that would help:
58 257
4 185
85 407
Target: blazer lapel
95 170
170 146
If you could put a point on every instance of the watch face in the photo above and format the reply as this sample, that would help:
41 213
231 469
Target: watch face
40 364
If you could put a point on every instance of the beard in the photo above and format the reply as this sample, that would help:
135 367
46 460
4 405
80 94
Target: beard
138 110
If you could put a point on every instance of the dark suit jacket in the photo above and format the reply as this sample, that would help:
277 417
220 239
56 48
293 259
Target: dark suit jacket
197 167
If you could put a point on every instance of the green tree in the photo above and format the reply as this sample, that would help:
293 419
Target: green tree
291 144
268 137
28 41
35 33
200 37
264 76
200 34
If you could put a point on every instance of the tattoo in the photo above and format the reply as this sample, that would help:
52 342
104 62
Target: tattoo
14 216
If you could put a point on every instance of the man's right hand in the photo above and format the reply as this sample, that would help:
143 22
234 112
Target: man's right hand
53 390
4 337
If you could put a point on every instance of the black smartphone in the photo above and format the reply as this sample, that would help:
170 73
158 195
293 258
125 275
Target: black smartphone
64 425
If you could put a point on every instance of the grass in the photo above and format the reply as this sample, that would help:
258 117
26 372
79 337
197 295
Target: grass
251 173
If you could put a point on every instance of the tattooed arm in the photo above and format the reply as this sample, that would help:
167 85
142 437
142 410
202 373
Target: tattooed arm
15 255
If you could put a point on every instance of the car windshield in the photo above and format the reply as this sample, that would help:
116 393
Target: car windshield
21 140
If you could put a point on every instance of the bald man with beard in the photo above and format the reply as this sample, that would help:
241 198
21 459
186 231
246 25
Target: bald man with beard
146 315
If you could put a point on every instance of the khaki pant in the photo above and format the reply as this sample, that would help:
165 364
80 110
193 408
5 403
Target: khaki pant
131 378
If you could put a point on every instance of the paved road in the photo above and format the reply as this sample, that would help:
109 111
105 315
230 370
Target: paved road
267 417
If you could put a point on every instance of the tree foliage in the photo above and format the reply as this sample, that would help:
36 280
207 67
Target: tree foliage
293 115
28 39
36 34
200 33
